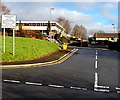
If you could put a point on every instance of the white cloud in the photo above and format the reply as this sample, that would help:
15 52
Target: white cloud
41 11
74 16
105 28
60 0
107 12
85 5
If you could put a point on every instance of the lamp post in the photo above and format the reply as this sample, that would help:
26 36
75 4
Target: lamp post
50 12
50 19
114 27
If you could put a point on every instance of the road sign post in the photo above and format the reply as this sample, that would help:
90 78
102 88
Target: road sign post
4 41
9 21
13 42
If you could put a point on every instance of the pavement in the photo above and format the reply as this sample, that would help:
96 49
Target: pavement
89 73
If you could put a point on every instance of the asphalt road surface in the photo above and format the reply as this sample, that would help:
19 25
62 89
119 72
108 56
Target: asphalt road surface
89 73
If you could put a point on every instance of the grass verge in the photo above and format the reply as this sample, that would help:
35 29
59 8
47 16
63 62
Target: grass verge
27 49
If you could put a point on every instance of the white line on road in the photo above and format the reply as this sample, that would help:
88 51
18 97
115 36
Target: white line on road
96 79
118 92
11 81
96 64
96 52
102 87
75 88
101 90
84 89
78 88
96 83
30 83
96 57
58 86
117 88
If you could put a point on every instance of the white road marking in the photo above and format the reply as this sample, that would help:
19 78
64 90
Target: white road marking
75 88
11 81
96 52
102 90
84 89
117 88
96 79
78 88
118 92
96 57
30 83
103 87
96 64
58 86
96 82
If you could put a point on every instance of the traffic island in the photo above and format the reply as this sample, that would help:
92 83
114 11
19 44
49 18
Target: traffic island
52 59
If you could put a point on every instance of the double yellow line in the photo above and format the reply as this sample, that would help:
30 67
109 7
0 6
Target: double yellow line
60 60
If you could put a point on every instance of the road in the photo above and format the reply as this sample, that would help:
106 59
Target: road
89 73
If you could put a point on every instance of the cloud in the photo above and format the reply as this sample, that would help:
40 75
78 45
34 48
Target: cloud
85 5
110 11
60 0
74 16
41 11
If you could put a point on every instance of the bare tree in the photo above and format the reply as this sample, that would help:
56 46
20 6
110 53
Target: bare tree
79 31
65 23
4 9
92 31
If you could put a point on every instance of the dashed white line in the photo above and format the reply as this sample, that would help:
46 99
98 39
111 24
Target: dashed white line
78 88
96 57
96 52
30 83
96 64
102 87
58 86
117 88
102 90
96 79
14 81
118 92
84 89
75 88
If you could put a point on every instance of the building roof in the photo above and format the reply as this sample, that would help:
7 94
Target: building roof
105 35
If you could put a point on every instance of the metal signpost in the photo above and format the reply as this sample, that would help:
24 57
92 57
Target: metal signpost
9 21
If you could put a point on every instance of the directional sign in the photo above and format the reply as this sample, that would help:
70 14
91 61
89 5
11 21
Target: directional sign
8 21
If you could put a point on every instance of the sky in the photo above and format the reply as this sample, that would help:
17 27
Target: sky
92 15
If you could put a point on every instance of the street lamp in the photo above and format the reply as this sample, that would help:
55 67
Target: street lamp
114 27
50 19
50 12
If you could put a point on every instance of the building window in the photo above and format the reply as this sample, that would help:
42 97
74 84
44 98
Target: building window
52 24
38 24
17 24
41 24
34 24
